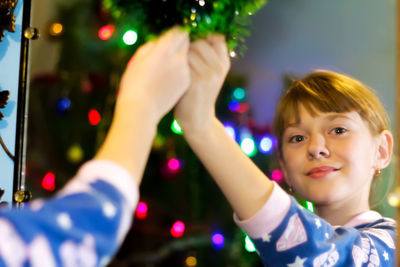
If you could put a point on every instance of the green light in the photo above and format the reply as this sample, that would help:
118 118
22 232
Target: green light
130 37
310 206
249 246
239 94
248 146
175 127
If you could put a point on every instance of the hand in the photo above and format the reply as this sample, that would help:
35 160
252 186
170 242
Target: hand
156 77
209 64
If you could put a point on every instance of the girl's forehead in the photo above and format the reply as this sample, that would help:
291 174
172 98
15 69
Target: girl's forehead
312 114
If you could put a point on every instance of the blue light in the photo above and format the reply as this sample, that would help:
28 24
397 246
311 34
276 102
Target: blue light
63 105
266 145
234 106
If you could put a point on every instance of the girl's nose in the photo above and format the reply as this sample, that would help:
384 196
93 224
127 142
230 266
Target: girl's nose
317 147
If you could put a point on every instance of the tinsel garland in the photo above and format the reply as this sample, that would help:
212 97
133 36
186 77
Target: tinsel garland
201 17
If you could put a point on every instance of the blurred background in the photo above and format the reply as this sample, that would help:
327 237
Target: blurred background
183 219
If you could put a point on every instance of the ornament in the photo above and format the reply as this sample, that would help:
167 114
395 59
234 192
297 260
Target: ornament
200 17
7 17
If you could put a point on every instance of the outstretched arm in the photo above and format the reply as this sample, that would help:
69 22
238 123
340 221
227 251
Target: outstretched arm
87 221
243 184
155 79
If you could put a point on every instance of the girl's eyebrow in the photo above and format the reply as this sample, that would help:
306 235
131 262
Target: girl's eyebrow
336 116
330 117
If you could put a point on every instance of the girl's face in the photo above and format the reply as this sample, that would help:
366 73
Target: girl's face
329 158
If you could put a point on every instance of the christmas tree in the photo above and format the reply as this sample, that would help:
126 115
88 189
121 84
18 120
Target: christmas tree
183 218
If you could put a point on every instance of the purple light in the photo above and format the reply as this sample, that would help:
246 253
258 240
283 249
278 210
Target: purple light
218 240
277 175
234 106
174 164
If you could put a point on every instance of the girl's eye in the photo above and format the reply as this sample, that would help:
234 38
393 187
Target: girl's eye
338 130
296 139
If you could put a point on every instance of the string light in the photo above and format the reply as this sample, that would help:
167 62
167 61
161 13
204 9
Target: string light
277 175
243 107
141 210
159 141
266 145
63 105
94 117
178 228
230 130
174 164
191 261
218 240
176 128
249 245
56 29
75 154
310 206
234 106
106 32
49 181
248 146
130 37
239 94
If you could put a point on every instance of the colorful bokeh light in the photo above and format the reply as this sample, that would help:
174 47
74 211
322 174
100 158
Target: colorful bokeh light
178 228
49 181
106 32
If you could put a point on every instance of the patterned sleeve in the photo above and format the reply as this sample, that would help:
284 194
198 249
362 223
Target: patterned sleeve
83 225
296 237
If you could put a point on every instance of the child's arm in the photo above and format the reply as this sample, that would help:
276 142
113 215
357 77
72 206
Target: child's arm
87 221
155 79
243 184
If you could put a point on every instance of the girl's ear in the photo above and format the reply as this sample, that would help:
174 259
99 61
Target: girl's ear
385 149
283 168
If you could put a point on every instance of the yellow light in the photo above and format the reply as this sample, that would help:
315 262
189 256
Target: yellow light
191 261
75 154
56 29
394 198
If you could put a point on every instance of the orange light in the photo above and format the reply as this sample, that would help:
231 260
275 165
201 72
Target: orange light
56 29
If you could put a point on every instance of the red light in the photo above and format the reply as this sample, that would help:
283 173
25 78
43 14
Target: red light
94 117
174 164
178 228
49 181
106 32
243 107
141 210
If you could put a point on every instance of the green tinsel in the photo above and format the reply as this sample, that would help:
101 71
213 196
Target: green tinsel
151 17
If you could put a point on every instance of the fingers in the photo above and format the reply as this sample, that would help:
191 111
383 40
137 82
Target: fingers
219 43
175 39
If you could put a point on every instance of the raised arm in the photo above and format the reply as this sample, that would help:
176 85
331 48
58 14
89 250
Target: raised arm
86 222
155 79
243 184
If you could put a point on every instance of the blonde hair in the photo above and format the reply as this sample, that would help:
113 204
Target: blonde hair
328 91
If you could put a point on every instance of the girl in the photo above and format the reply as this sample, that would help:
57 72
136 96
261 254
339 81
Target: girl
333 140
